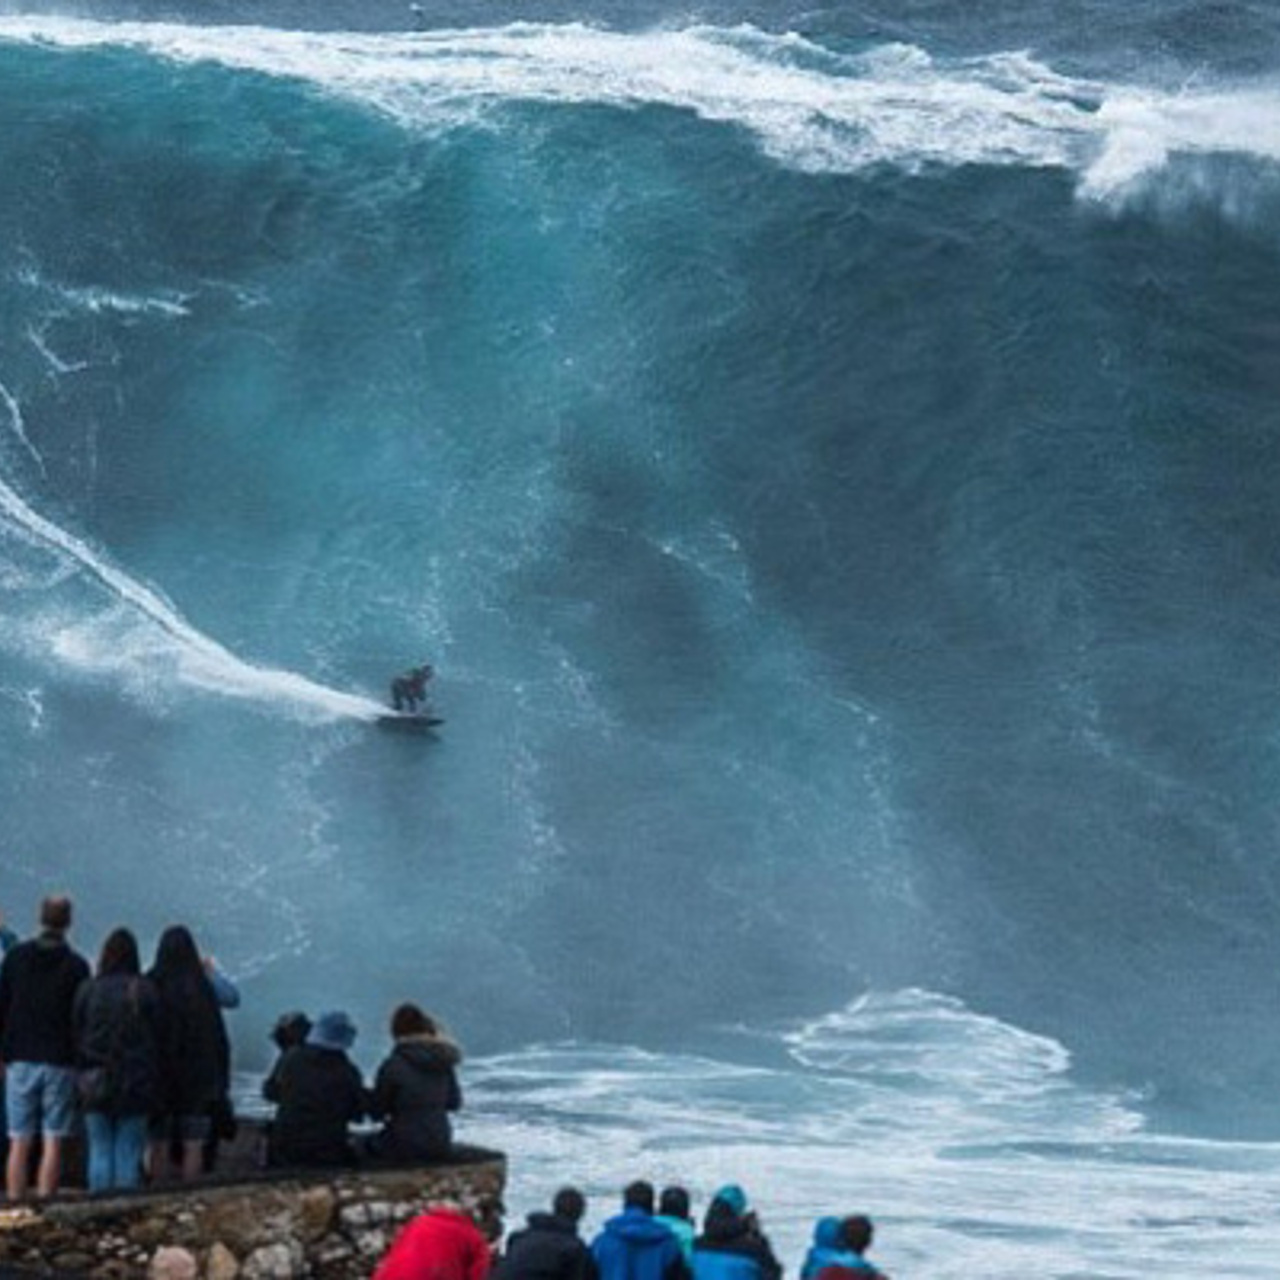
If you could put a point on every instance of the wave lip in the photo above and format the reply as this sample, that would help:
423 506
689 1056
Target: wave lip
808 107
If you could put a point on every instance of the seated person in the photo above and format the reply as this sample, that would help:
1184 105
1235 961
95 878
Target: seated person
318 1093
415 1089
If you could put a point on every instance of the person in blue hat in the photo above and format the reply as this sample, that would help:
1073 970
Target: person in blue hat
732 1246
318 1092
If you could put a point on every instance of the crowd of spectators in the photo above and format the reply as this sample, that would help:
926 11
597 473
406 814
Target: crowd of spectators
140 1063
635 1244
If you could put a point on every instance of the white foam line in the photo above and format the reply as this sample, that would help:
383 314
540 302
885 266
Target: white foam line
19 426
809 107
52 358
205 663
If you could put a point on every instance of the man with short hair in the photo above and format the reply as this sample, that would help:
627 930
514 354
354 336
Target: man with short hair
634 1245
549 1247
38 982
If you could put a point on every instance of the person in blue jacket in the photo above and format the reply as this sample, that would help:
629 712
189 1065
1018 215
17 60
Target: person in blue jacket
634 1245
825 1249
732 1246
849 1261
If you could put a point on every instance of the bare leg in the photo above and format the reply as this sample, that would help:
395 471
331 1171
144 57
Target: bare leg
19 1163
192 1160
50 1166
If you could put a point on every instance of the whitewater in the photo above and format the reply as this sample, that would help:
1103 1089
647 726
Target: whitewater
830 459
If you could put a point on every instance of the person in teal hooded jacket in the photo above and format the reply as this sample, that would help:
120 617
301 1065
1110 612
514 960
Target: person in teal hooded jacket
847 1261
732 1246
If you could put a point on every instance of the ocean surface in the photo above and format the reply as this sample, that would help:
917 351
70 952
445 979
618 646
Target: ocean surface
831 456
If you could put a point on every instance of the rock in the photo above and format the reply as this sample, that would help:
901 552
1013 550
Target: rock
238 1224
280 1261
148 1233
316 1208
371 1243
221 1264
73 1260
172 1263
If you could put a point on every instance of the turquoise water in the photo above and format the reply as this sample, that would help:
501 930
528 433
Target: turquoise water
830 463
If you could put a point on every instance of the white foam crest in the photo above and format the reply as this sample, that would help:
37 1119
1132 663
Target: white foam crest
808 107
168 643
97 299
1142 130
1067 1187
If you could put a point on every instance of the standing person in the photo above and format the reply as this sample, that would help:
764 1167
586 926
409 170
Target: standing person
633 1246
118 1036
441 1244
318 1093
732 1246
409 689
195 1059
38 983
415 1089
673 1213
549 1247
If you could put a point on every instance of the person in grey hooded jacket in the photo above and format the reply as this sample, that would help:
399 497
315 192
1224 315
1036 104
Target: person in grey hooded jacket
415 1089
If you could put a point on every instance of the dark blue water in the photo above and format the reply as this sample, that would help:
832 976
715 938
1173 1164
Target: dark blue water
833 474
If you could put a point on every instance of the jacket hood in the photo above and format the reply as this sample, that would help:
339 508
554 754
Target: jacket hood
638 1228
544 1221
428 1053
826 1233
50 951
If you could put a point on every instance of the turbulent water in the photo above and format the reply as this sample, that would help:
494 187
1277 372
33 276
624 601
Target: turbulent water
830 457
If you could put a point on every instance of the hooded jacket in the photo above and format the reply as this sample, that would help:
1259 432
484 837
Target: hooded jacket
548 1248
825 1250
731 1247
38 983
414 1091
319 1093
635 1246
118 1027
441 1244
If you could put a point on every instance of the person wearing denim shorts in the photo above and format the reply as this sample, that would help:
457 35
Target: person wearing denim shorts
38 982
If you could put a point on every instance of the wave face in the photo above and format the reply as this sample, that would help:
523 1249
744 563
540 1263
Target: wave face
834 479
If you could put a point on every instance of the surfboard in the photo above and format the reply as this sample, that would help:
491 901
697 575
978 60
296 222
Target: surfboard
409 720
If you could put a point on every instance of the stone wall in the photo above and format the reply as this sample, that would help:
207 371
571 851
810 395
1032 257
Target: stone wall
327 1226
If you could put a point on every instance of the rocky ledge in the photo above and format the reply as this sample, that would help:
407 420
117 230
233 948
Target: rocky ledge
326 1225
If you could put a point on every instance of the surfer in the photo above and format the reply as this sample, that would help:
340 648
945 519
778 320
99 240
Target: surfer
409 689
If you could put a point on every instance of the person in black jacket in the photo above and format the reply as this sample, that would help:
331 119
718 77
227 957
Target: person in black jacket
195 1060
549 1247
118 1029
415 1089
318 1092
38 983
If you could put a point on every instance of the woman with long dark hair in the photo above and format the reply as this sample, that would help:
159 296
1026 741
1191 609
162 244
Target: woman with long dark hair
196 1062
118 1026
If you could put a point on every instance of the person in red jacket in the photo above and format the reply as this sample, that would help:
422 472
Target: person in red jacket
441 1244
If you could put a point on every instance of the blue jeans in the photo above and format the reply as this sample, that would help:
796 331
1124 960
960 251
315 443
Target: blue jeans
40 1099
116 1144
